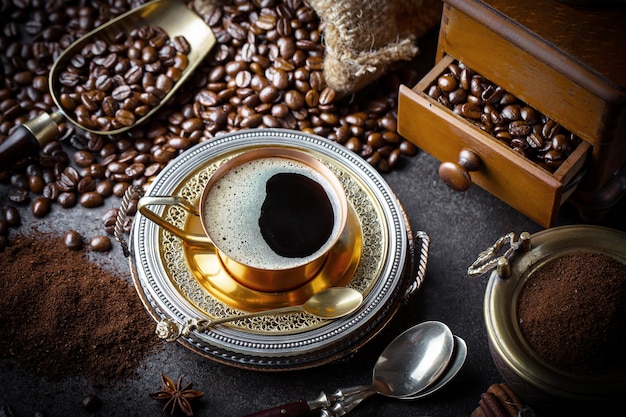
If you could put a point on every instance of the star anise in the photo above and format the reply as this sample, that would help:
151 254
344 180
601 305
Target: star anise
176 396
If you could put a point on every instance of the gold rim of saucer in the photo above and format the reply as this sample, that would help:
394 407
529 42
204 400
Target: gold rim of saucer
203 283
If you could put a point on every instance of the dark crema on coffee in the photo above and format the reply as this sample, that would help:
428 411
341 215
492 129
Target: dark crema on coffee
295 202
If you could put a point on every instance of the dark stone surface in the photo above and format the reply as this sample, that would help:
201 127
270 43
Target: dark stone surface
460 226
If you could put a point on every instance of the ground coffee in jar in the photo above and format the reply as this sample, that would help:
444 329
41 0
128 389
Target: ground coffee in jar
572 313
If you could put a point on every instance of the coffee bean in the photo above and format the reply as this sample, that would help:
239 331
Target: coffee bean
151 170
148 54
519 128
408 148
266 22
20 181
447 83
83 158
50 191
164 83
110 217
86 184
11 216
124 118
119 189
135 170
19 196
121 93
180 61
67 199
91 199
73 239
534 141
511 112
182 45
353 144
492 94
327 96
294 99
40 207
100 243
36 183
104 188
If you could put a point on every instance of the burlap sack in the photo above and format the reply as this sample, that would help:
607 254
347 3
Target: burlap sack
365 38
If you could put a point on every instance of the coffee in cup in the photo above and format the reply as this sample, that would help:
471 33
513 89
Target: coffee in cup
272 213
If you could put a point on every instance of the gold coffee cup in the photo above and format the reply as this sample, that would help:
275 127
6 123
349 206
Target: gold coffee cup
271 215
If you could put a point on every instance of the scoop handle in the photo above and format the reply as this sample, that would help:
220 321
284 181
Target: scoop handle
19 144
29 138
297 408
341 408
294 409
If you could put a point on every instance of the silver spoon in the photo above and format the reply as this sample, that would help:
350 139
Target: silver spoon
457 362
343 407
412 362
331 303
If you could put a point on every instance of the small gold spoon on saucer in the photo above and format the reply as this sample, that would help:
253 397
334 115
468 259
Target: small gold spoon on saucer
331 303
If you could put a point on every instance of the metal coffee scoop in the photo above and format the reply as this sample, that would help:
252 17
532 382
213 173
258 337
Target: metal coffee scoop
414 361
173 16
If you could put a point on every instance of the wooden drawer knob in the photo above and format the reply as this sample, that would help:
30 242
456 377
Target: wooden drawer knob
456 175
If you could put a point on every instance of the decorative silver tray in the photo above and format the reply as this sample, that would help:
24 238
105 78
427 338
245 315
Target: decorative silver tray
176 282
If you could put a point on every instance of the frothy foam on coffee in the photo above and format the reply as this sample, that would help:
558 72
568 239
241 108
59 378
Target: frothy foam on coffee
233 208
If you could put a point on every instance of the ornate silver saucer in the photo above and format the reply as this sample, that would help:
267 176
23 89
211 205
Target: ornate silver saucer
179 284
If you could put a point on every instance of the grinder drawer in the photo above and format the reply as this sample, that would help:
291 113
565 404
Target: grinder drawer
471 155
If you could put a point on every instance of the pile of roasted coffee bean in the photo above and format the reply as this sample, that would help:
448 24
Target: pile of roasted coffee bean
110 86
499 113
264 71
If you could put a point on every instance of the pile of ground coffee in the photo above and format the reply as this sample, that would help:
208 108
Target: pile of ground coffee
572 312
62 315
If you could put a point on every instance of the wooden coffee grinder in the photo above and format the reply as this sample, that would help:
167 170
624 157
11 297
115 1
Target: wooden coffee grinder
567 62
